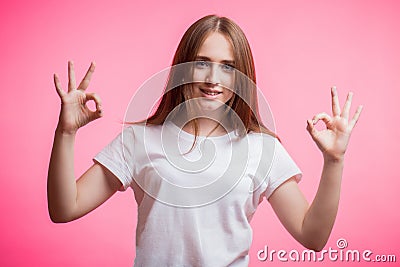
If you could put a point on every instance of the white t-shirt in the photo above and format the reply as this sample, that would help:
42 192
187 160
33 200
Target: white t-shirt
198 203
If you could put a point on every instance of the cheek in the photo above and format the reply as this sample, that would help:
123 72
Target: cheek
228 83
227 95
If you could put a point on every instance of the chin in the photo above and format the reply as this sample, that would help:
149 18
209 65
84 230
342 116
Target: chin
211 105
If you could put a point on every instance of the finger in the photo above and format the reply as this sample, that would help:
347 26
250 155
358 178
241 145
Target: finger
97 101
355 117
311 123
86 80
57 83
347 105
71 76
311 129
322 116
335 102
93 115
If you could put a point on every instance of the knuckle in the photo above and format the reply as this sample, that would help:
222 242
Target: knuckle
95 96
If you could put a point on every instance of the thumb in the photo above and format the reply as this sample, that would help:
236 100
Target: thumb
311 129
93 115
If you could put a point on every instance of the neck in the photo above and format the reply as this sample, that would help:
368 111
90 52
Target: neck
206 127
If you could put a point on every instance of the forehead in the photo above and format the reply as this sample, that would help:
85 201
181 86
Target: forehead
217 48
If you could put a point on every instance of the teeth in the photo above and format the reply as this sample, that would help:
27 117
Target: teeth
210 93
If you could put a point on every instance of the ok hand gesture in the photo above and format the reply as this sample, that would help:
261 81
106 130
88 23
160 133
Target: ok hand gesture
333 140
74 111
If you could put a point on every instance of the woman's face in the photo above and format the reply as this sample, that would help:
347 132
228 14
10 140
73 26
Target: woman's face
214 72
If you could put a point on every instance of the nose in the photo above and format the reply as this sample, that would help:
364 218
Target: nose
213 75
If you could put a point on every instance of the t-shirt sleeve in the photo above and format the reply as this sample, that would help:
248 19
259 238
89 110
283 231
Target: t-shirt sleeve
118 157
283 168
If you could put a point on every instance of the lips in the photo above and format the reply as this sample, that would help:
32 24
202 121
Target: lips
210 92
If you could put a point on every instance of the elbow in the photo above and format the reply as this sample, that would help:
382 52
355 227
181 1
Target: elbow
57 217
315 240
316 248
315 245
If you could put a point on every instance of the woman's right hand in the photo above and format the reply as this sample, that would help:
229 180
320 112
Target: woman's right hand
74 111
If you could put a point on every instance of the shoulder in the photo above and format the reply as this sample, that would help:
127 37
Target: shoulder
139 132
262 140
268 147
138 127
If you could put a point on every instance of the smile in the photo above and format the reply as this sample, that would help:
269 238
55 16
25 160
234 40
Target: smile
210 92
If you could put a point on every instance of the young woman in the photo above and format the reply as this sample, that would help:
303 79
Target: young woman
200 165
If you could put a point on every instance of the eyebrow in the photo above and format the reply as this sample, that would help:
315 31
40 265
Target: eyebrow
230 62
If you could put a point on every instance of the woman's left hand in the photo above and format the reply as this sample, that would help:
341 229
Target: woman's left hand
333 140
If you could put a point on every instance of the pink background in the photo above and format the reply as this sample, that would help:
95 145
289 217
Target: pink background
301 48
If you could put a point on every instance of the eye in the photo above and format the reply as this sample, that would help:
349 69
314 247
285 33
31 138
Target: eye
201 64
227 67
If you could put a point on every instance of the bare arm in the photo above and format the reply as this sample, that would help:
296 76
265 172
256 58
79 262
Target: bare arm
69 199
312 224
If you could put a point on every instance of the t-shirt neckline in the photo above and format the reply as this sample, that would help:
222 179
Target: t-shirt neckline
182 133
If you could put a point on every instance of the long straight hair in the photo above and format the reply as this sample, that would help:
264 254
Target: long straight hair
244 102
